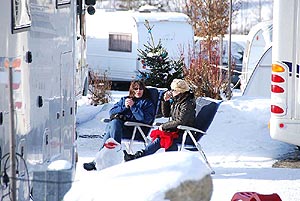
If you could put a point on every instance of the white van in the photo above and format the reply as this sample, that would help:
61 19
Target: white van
113 39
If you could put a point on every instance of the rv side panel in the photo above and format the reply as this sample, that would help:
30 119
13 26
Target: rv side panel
37 43
285 104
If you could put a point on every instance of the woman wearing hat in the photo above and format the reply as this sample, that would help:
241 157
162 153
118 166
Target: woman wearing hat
179 104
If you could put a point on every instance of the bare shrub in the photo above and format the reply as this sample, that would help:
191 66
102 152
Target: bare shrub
99 87
206 79
210 19
204 73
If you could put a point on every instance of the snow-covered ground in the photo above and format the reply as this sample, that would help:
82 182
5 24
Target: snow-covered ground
237 145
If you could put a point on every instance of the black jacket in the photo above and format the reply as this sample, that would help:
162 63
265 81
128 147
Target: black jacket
181 109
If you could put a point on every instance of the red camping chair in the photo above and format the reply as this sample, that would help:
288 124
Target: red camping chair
253 196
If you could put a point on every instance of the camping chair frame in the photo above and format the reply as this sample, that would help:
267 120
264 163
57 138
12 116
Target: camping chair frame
137 126
206 110
188 131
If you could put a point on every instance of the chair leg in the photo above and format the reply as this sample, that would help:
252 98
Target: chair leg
204 157
201 152
146 141
144 136
183 140
131 140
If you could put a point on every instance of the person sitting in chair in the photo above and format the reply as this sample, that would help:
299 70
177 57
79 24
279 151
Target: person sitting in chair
137 107
179 104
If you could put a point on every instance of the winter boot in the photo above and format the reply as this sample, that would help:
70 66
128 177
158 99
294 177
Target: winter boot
129 157
90 166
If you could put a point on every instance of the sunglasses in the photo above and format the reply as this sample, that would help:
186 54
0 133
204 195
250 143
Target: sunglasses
135 89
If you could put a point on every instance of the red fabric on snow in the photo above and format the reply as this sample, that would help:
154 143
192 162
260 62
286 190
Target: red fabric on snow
166 138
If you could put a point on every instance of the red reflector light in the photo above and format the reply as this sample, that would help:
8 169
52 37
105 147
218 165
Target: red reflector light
281 125
277 78
277 110
277 89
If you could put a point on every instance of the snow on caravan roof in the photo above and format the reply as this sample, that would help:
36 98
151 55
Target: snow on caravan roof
160 16
141 16
126 20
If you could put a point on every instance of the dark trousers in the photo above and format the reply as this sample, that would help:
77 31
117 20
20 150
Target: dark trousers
155 145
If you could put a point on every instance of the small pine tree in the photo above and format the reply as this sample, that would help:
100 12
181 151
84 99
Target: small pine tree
158 69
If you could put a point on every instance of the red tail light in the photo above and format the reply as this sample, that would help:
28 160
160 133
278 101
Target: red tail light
277 78
277 89
276 109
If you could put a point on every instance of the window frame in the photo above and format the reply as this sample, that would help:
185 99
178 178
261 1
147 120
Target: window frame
62 3
16 25
120 42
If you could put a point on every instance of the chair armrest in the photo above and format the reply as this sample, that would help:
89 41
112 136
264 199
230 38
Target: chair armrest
131 123
181 127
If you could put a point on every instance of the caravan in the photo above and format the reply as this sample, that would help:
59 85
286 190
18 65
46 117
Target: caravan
39 61
258 84
285 82
114 39
258 44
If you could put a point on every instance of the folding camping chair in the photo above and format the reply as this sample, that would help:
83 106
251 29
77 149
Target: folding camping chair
144 129
205 112
253 196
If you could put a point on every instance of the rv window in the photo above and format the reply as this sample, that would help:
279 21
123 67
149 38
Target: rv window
120 42
62 3
21 15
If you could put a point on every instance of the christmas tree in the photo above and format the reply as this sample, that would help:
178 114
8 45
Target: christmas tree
158 69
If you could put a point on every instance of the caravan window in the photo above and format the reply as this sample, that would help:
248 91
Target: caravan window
120 42
21 15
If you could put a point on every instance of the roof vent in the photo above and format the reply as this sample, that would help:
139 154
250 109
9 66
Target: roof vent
148 9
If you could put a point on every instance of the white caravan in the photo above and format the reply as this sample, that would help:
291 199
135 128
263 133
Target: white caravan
285 83
39 61
258 84
259 40
114 37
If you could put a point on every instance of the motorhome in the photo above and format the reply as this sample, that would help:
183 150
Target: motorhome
114 39
258 41
285 83
40 58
